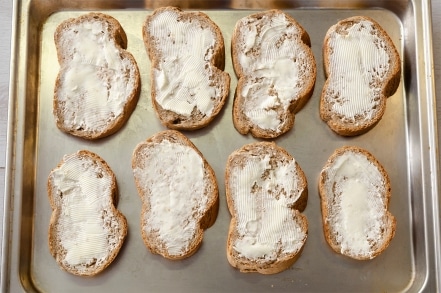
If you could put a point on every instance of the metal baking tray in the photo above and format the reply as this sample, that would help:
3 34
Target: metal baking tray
405 142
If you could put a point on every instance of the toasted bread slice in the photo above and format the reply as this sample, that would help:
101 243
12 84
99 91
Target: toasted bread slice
276 69
86 231
98 84
187 53
179 193
355 190
266 192
363 69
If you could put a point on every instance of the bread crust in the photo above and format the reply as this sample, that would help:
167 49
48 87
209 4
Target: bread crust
286 115
118 232
65 52
296 205
387 87
389 225
206 219
219 79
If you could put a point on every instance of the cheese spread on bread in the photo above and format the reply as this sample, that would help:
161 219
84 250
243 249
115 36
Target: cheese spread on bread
81 227
175 170
265 225
355 191
86 230
96 82
179 193
358 61
276 70
183 76
266 194
358 184
362 68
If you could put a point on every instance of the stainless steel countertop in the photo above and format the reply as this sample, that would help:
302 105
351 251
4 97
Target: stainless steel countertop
5 40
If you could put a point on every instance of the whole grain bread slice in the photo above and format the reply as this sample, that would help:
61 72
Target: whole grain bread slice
355 191
179 194
98 83
363 69
276 69
86 231
266 192
188 84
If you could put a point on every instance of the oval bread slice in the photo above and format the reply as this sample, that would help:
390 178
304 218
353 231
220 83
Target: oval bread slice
98 85
187 53
266 192
355 190
363 69
179 193
276 69
86 231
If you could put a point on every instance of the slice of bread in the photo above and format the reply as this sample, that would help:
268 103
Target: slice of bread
98 84
363 69
276 69
355 190
86 231
188 86
179 194
266 192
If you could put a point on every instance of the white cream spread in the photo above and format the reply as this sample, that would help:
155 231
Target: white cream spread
357 207
357 61
96 81
173 178
263 205
183 76
275 66
84 199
